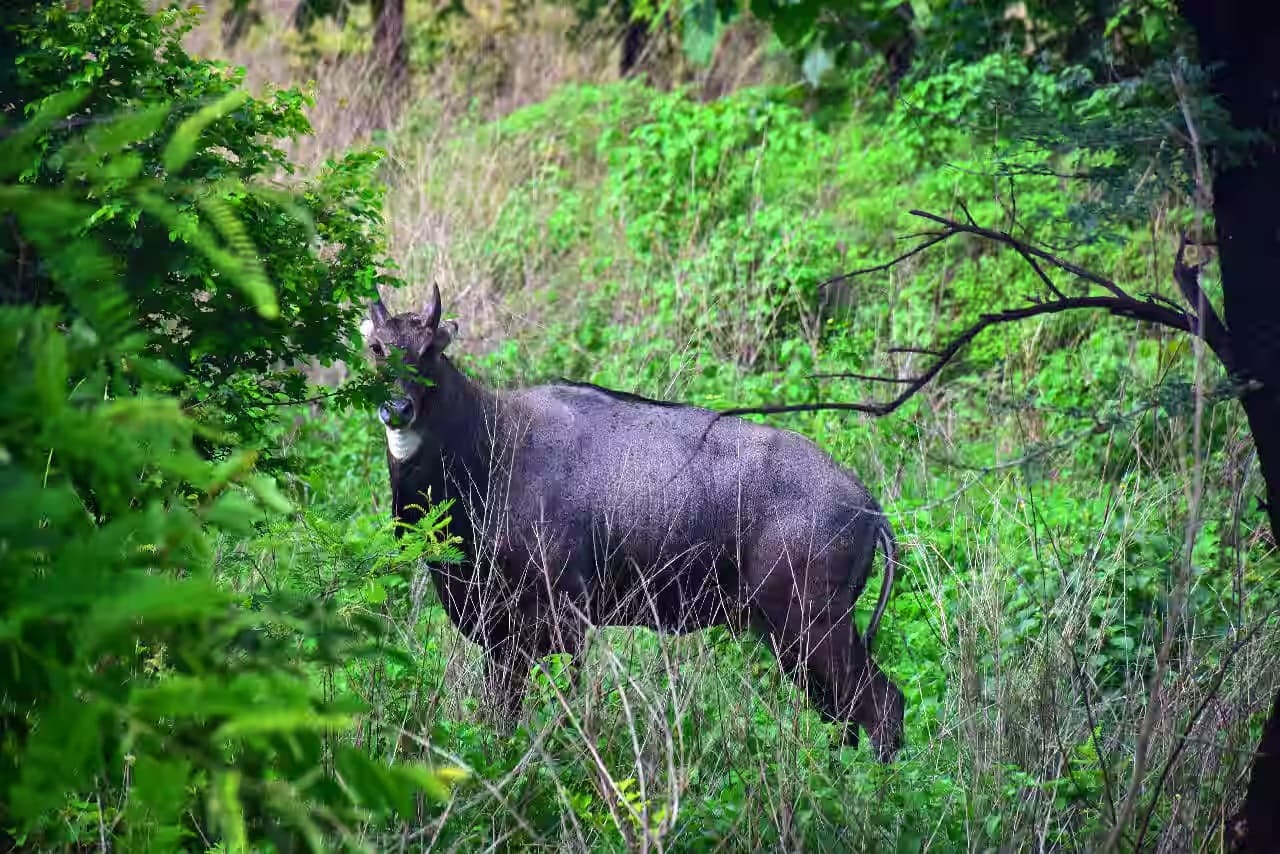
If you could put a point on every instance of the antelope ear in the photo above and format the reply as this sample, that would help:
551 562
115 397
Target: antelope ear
443 336
378 314
431 311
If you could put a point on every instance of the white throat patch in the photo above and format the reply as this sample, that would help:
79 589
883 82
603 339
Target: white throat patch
403 443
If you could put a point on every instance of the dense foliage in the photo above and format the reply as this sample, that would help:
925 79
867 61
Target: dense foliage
304 259
143 701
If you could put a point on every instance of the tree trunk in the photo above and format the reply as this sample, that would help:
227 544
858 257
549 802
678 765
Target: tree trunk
900 51
1241 40
388 43
635 36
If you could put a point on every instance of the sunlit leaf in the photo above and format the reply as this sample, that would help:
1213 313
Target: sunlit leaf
264 722
228 811
436 782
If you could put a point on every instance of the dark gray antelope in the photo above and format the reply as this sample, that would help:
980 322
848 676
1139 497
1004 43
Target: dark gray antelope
582 506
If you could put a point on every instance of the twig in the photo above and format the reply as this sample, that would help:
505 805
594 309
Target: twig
1157 310
848 375
1044 277
289 402
1204 188
1009 240
1160 298
916 235
1121 307
880 268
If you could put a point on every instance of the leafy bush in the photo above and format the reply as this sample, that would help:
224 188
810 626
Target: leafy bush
320 246
143 703
710 204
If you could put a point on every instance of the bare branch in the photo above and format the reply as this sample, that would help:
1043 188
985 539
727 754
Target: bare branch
1151 309
880 268
1160 298
845 375
1204 184
1126 306
924 351
915 235
1044 277
1026 249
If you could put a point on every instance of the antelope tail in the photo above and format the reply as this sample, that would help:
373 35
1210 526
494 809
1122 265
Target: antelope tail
890 548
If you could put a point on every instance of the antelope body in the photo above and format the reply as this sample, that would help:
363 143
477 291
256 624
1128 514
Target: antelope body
580 505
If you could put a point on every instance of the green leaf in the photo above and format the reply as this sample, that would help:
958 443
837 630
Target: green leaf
269 722
362 778
182 145
374 593
436 782
264 489
228 811
156 803
111 138
244 270
125 167
150 600
287 203
232 511
64 751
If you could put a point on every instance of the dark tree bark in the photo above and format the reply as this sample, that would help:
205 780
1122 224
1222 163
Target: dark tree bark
388 42
635 36
1243 40
308 11
900 51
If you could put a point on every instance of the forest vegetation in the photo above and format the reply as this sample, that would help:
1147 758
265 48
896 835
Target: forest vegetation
1012 263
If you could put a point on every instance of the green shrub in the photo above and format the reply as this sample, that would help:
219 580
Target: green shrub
321 246
143 703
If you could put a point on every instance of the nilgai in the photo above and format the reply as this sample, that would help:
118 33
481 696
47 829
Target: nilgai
579 505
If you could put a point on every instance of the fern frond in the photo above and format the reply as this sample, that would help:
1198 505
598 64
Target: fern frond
182 145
